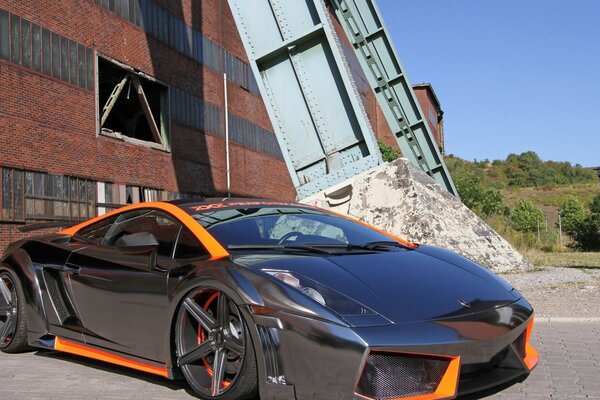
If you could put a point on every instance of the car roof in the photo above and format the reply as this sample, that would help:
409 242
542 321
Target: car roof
195 205
214 200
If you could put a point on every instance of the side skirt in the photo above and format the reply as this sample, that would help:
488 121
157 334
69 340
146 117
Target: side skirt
79 349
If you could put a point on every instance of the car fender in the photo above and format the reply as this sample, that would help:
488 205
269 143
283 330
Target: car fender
19 262
225 276
217 276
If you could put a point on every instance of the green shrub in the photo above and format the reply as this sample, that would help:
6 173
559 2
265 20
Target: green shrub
525 217
483 201
573 214
586 235
387 152
595 207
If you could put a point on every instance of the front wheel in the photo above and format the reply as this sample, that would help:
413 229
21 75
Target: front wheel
214 349
13 318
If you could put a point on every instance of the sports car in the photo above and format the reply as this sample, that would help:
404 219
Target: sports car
244 297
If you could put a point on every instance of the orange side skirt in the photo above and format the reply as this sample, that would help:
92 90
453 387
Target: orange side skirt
67 346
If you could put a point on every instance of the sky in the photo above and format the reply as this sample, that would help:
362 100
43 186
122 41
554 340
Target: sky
511 75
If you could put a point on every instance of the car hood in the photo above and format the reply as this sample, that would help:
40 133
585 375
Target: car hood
403 286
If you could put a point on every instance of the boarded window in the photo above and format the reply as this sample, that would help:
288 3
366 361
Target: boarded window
36 46
64 59
46 52
56 56
4 29
26 43
15 39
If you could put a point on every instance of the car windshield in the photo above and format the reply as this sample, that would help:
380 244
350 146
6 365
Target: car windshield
287 226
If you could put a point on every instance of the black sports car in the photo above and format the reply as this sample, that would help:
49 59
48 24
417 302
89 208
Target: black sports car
247 297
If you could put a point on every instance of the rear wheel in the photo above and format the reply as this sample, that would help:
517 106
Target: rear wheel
214 349
13 320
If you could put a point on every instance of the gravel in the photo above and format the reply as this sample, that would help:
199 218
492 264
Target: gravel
556 292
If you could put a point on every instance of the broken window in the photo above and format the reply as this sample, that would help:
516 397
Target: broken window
132 104
28 195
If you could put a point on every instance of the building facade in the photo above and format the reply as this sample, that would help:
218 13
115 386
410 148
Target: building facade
433 113
109 102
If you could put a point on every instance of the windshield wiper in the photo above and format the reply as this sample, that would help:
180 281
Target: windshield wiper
325 248
383 244
309 248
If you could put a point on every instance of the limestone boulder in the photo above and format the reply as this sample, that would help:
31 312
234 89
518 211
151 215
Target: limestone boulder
400 198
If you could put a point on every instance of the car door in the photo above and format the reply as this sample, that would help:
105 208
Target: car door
120 293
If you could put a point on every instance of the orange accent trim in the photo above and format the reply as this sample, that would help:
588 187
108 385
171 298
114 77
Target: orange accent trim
531 355
394 237
212 245
84 351
446 389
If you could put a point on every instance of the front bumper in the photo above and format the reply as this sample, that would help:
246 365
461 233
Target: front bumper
305 358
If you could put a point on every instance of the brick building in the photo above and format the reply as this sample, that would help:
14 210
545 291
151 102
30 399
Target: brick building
108 102
432 111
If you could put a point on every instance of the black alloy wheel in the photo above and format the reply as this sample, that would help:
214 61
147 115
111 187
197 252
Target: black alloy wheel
13 324
214 349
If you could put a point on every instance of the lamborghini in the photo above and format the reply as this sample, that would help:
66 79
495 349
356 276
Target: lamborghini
245 298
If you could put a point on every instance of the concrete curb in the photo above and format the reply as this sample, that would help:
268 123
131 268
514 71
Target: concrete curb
542 320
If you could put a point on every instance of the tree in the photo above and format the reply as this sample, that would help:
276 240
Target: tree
573 214
586 235
479 199
526 216
595 207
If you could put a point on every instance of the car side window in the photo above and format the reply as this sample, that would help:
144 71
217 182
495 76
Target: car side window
159 224
95 233
188 245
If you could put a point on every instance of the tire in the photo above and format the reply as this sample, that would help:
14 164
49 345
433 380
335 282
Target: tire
213 347
13 318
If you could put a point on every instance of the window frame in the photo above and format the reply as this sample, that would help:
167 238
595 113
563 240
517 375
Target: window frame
115 217
27 200
165 128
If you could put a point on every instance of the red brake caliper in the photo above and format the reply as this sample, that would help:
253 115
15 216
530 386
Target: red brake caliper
202 337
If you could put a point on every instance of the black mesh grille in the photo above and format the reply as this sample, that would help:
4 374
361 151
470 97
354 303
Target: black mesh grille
520 344
54 293
389 375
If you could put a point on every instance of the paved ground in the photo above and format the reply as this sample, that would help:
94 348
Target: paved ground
567 335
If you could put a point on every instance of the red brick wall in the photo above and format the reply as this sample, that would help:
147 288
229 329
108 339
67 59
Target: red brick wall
49 125
430 112
9 233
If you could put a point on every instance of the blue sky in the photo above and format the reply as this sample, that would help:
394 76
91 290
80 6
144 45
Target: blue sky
512 75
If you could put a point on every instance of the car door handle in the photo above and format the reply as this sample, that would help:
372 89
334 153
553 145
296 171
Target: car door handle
71 269
159 269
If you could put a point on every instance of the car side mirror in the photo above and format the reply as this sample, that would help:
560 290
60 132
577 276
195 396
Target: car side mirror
140 242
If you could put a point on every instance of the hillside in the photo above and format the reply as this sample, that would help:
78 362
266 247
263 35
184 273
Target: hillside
550 199
519 171
492 189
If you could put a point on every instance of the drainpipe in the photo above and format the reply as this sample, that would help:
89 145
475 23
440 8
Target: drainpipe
227 135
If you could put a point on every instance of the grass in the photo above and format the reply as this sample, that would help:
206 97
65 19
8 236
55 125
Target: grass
551 198
565 259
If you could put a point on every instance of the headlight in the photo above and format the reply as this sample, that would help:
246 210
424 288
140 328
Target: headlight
337 302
